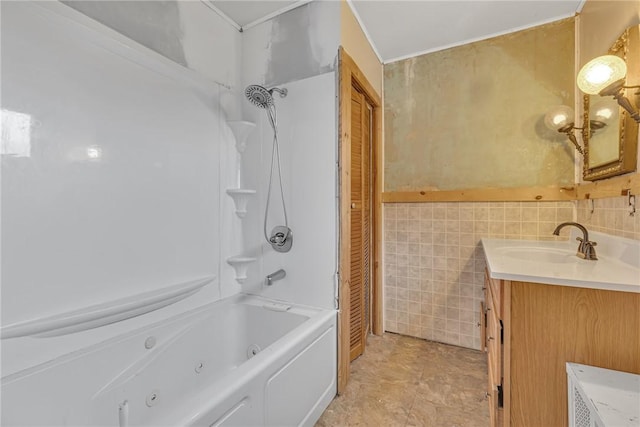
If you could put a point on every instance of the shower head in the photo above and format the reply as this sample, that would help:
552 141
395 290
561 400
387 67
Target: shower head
261 97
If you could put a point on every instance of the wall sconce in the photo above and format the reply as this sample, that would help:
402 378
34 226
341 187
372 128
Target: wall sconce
605 76
560 118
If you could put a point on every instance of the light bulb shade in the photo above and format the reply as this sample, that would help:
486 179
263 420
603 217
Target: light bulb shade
559 117
605 111
601 72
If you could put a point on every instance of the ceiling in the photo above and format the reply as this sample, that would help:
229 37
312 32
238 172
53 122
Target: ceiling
246 12
399 29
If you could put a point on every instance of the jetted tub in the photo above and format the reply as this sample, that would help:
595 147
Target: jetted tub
241 361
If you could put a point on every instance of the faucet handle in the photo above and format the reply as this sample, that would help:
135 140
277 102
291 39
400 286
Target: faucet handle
586 249
588 242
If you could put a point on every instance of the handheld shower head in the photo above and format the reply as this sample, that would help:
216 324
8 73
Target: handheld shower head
281 237
261 97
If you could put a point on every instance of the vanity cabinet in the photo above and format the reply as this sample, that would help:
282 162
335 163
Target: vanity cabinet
493 345
533 329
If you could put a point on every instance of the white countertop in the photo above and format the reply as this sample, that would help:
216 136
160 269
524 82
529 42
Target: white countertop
555 262
615 395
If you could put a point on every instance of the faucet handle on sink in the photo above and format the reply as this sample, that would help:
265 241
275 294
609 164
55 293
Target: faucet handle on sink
586 249
579 239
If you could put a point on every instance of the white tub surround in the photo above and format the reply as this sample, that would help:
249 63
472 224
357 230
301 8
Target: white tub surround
295 51
105 313
241 130
112 182
250 361
240 196
113 188
556 263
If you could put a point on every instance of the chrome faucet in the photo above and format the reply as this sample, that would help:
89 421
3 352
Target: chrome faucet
277 275
586 248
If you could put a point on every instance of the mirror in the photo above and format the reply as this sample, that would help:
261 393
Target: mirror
611 138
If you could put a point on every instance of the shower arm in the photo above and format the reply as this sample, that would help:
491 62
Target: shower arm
281 92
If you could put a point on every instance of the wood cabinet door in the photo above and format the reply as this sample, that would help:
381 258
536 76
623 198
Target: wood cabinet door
552 325
360 272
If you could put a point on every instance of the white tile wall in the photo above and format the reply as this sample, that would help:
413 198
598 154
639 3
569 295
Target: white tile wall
434 264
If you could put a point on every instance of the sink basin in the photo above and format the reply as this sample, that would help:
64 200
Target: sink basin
555 262
545 255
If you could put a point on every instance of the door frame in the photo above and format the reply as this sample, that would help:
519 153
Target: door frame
350 75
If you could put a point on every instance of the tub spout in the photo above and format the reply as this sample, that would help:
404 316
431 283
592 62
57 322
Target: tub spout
586 248
280 274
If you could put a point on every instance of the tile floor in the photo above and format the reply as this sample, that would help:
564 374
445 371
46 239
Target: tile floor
405 381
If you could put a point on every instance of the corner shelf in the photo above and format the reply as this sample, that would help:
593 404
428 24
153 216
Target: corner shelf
240 197
241 265
241 130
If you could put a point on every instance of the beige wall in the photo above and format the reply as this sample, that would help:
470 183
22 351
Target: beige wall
472 116
601 23
355 43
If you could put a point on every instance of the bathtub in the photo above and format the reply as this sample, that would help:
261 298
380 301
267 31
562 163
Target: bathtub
241 361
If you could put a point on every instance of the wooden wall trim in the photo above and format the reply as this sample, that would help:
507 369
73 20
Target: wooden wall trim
612 187
522 194
378 167
360 79
344 141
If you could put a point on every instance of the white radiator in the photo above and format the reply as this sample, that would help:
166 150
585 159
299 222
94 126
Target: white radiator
602 398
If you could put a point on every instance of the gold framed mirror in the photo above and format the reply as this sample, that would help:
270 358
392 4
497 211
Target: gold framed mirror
610 134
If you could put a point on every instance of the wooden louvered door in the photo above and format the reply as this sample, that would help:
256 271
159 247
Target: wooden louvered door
360 284
360 272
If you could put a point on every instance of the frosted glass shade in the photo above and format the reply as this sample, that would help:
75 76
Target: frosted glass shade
604 111
558 117
601 72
